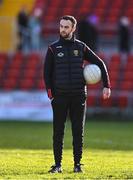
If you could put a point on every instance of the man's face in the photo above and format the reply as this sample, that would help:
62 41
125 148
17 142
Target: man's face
66 28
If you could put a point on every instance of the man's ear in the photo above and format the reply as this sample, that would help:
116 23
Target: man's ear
74 28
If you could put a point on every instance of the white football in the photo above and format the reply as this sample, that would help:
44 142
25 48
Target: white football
92 74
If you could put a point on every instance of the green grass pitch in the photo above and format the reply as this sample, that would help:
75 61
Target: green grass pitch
26 151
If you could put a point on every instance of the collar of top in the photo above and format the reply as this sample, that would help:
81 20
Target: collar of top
67 40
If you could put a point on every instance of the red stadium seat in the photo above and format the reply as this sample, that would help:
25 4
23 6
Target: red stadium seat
112 19
26 84
115 63
129 65
91 101
52 12
18 56
55 3
100 12
126 85
130 58
70 3
96 86
114 75
68 10
114 84
33 61
16 63
83 10
3 56
114 79
33 64
3 60
29 73
40 85
101 4
9 84
33 56
128 76
106 102
13 73
40 4
2 63
85 4
122 101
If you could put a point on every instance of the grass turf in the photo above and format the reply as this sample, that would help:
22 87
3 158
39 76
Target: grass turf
26 151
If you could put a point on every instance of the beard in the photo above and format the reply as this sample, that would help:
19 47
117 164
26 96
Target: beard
65 35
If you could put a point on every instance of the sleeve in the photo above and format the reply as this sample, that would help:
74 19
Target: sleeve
91 57
48 71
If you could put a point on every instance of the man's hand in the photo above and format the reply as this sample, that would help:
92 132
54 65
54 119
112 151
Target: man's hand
106 93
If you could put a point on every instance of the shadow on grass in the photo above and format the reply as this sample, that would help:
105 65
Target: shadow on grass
38 135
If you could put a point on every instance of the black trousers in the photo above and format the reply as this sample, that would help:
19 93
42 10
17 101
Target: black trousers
76 107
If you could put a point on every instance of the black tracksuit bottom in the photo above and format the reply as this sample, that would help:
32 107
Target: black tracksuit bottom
76 107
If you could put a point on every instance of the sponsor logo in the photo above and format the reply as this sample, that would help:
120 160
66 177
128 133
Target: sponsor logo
60 54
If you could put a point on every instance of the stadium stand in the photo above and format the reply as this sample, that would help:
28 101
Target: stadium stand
21 72
24 71
102 8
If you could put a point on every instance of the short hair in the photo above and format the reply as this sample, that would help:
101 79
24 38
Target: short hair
71 18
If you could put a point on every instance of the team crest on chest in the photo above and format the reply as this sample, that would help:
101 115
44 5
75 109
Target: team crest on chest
76 52
60 54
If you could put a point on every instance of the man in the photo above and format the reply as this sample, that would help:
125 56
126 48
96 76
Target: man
88 32
23 29
66 87
124 35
